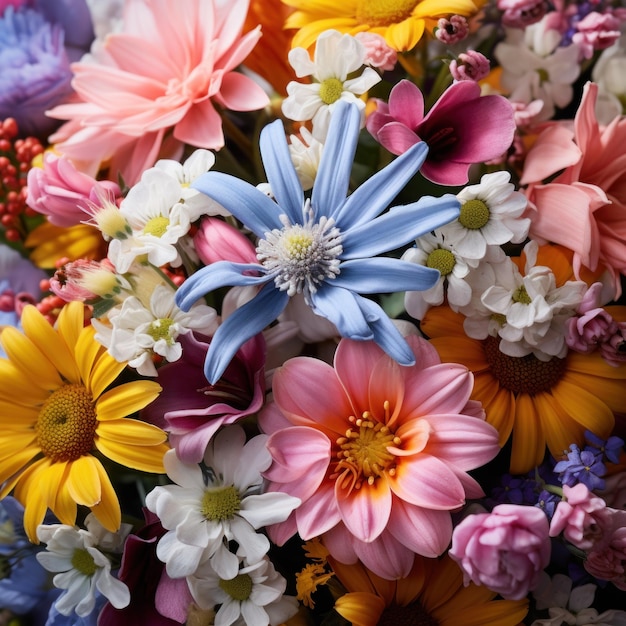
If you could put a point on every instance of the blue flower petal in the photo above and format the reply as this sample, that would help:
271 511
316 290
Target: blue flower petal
214 276
399 226
339 306
384 275
333 175
249 205
280 171
386 335
377 192
245 322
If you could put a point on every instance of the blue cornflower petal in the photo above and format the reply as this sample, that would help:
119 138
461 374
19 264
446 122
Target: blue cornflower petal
398 226
340 306
381 275
377 192
333 175
249 205
214 276
280 171
245 322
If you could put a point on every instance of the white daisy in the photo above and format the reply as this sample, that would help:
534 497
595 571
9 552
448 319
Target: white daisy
490 216
80 568
217 502
254 596
336 57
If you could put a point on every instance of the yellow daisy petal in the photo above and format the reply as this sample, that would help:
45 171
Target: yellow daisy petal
131 432
10 467
86 351
557 425
108 511
612 391
501 413
145 459
126 399
105 371
17 388
405 35
71 322
83 482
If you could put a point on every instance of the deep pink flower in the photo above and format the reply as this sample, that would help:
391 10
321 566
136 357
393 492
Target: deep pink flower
470 65
461 128
64 194
596 31
217 240
582 517
522 13
377 452
453 30
505 550
191 409
166 70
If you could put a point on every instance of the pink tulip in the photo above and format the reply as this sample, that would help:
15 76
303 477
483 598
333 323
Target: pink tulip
218 241
505 550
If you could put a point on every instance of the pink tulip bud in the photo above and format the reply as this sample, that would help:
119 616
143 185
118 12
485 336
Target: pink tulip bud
218 241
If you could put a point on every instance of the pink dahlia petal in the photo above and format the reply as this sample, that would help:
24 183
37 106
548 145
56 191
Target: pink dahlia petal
272 419
406 104
387 557
339 543
202 127
281 533
240 93
425 353
397 137
386 390
318 514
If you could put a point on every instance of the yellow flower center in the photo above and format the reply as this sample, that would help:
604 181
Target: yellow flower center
83 562
331 90
220 503
238 588
160 329
522 375
384 12
442 260
111 223
411 615
156 226
521 295
363 453
67 423
474 214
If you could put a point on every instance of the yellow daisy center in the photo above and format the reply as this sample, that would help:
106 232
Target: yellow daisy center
384 12
331 90
238 588
522 375
442 260
521 296
67 423
160 329
83 562
363 453
474 214
220 503
156 226
411 615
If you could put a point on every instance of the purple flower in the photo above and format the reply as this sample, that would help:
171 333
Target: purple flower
581 466
515 490
611 448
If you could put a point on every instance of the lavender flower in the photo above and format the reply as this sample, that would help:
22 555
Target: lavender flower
582 466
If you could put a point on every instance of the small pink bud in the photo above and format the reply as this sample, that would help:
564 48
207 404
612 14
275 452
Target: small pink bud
218 241
453 30
470 65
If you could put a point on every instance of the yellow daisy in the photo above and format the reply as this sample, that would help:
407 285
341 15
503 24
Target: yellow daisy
401 22
433 594
58 411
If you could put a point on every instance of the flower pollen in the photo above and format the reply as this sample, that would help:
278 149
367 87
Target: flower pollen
522 375
331 90
474 214
239 588
384 12
521 296
160 329
111 222
442 260
66 425
156 226
83 562
300 257
220 503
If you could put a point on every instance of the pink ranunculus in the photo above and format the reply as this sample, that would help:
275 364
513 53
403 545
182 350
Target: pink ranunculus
218 241
64 194
453 30
522 13
191 409
582 517
607 560
613 350
377 53
377 452
596 31
583 206
461 128
470 65
505 550
164 71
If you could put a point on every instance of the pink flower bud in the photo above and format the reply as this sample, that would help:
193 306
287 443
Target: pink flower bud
586 332
377 53
218 241
522 13
607 561
613 350
453 30
505 550
596 31
470 65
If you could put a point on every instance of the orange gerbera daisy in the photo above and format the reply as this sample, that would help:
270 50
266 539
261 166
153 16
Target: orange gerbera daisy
433 594
58 409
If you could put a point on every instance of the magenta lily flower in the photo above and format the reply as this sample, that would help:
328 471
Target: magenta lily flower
461 128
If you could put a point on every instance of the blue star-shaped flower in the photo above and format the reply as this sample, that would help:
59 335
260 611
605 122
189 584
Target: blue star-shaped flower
324 247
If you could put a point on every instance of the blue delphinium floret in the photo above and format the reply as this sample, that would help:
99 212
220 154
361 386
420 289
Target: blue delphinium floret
582 466
324 247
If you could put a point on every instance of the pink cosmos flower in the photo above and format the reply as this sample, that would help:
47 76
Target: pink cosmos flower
165 70
64 194
377 452
461 128
583 207
191 409
505 550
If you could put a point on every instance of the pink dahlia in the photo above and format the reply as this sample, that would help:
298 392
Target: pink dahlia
165 71
377 452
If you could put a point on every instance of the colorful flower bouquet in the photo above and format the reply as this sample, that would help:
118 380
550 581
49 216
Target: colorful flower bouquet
312 312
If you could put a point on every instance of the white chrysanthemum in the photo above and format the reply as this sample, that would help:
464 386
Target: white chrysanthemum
336 57
80 568
217 502
490 216
536 67
254 596
137 332
434 251
306 152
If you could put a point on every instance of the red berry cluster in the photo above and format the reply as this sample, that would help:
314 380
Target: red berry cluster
16 157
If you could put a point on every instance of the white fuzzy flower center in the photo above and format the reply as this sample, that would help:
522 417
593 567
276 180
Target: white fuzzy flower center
299 257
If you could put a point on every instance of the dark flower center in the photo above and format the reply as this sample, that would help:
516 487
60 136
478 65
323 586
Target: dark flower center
412 615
